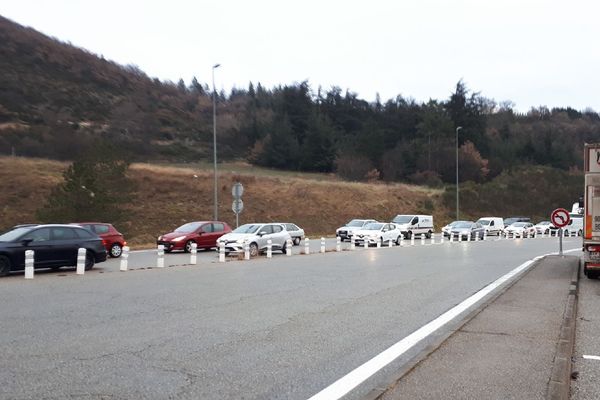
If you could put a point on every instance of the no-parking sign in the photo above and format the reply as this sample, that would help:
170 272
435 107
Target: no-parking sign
560 217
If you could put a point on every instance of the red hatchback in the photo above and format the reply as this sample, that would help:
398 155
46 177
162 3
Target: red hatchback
112 239
203 233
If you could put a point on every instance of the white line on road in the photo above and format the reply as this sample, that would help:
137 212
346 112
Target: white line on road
344 385
592 357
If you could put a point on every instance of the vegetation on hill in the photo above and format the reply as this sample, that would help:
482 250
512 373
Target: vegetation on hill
56 98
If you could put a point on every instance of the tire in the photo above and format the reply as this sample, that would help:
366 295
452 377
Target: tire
297 241
283 247
4 266
115 250
399 239
428 235
89 261
580 233
253 250
408 235
188 246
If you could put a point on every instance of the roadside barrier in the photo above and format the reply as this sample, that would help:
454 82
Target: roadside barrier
451 238
322 245
390 243
29 255
352 243
401 240
432 238
459 238
378 244
338 244
469 238
81 261
124 259
365 243
422 239
484 235
412 240
160 261
246 250
194 254
269 248
307 246
221 252
477 237
288 247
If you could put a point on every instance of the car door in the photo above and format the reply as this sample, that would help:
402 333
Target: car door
265 233
65 245
385 232
414 225
218 231
278 237
204 236
39 241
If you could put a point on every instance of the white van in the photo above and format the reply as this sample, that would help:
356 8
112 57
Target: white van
492 225
575 227
411 224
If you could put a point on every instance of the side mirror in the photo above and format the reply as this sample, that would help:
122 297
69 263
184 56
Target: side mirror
262 233
26 242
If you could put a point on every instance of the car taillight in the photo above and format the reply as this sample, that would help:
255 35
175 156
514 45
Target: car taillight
593 248
104 242
124 243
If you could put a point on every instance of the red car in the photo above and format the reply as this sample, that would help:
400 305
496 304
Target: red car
203 233
112 239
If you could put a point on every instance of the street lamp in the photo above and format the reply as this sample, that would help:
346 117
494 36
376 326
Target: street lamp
216 212
457 129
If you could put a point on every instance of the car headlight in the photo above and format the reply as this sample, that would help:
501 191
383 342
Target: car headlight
179 238
240 241
160 238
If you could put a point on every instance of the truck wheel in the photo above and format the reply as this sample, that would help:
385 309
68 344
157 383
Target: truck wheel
428 235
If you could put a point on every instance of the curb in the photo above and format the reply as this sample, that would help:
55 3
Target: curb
560 379
379 392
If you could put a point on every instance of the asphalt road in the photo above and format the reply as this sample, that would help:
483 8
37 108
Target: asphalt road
281 328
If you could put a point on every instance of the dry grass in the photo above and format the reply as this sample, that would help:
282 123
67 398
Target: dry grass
167 196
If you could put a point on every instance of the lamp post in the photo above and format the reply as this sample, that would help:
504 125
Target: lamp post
457 129
216 212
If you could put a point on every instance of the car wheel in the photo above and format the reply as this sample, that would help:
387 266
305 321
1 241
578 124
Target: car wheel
580 233
89 261
398 240
296 241
408 235
116 250
4 266
428 235
188 246
283 247
253 249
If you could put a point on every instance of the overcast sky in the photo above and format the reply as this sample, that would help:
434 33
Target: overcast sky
532 52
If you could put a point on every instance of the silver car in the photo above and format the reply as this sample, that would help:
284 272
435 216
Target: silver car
295 232
466 229
256 235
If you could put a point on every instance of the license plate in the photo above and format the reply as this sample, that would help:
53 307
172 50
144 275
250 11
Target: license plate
595 255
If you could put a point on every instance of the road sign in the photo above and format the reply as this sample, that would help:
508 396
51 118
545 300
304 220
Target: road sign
237 190
560 217
237 206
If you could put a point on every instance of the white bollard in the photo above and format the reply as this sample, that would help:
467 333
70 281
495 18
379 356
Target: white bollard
484 236
246 250
322 245
29 255
124 259
352 243
81 261
543 234
160 261
306 246
390 243
288 247
365 243
338 244
194 254
401 240
460 237
477 237
412 240
378 244
451 238
422 239
442 239
221 252
269 248
526 235
469 237
432 238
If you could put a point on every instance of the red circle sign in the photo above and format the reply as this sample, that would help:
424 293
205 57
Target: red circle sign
560 217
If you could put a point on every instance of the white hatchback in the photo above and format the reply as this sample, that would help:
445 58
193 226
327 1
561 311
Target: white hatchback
257 237
378 232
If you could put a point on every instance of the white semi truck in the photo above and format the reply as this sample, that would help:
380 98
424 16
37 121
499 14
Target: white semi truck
591 212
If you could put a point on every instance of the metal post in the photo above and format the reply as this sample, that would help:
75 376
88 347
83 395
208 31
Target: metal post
216 212
457 129
124 259
560 241
160 261
81 261
29 261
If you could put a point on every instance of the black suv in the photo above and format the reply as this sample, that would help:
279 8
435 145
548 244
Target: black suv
54 246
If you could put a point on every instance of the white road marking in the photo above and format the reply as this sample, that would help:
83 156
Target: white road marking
344 385
592 357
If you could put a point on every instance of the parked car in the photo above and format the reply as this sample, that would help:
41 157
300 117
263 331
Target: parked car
345 232
54 246
492 225
545 227
466 229
446 229
113 240
203 233
295 232
520 229
575 226
256 235
512 220
414 225
378 232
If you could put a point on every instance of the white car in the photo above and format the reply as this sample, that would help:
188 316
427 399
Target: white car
378 232
575 227
520 229
346 231
446 230
295 232
412 224
492 225
256 235
545 227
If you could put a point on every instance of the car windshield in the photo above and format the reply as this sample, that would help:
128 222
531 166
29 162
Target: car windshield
247 228
402 219
355 223
519 224
484 221
544 223
373 227
463 224
14 234
189 227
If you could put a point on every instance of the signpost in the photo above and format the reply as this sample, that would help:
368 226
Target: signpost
238 204
560 218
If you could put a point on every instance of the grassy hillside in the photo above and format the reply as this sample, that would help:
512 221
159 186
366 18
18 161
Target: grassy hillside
167 196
